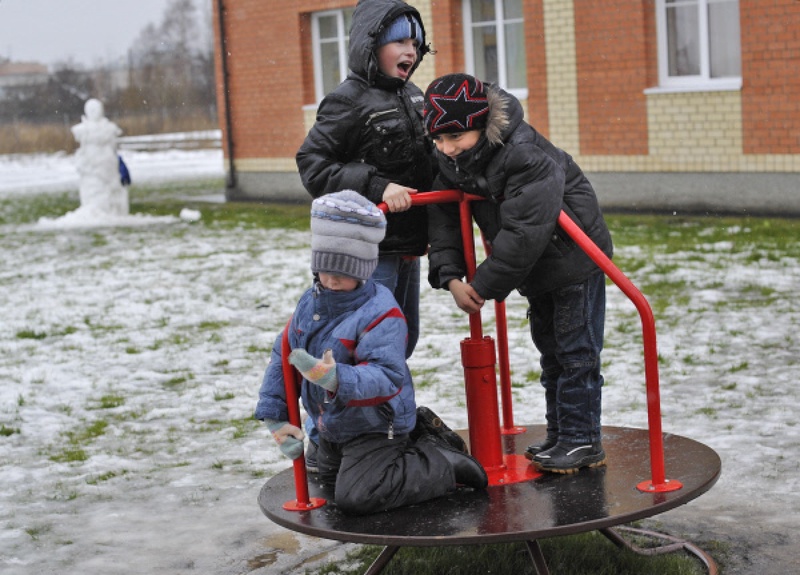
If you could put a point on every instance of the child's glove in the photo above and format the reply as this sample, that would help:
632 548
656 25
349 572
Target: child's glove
288 437
319 371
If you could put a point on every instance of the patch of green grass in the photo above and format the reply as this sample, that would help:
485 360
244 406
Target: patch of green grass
584 554
178 380
77 439
86 434
31 334
223 396
532 375
212 325
739 367
709 411
7 431
228 215
35 533
96 479
241 427
70 455
29 208
108 401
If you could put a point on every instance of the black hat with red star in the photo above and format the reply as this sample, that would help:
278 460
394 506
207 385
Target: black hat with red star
455 103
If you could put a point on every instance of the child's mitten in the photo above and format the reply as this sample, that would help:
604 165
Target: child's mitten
319 371
288 437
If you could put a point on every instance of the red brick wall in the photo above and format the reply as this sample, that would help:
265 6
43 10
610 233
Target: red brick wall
448 37
537 66
770 76
270 73
612 59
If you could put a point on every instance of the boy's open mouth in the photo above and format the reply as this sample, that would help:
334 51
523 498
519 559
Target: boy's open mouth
405 67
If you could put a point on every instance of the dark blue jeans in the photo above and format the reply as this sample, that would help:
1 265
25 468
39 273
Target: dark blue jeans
401 275
567 328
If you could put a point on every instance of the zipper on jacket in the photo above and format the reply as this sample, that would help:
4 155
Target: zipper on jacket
387 411
375 115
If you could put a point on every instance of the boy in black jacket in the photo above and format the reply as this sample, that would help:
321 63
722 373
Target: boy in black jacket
368 137
484 147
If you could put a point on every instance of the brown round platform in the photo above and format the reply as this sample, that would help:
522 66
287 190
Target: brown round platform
548 506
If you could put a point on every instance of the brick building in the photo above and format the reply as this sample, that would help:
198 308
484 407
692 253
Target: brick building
667 104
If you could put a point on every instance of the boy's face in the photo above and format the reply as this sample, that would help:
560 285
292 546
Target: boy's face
457 143
337 283
396 59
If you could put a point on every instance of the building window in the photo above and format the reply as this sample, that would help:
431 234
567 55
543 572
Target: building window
494 39
330 33
699 45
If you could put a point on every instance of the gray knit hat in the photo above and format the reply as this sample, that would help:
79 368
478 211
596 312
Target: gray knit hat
346 229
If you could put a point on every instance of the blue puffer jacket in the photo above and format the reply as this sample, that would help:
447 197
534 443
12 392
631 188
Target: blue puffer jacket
367 332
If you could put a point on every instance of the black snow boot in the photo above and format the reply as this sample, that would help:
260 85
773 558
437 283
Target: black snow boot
570 457
467 470
544 445
428 423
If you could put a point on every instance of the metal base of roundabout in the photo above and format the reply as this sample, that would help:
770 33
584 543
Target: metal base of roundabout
549 505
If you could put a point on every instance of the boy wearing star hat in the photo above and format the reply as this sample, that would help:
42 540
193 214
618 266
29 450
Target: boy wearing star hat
485 148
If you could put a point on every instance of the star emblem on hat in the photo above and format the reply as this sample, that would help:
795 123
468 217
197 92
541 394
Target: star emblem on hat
459 110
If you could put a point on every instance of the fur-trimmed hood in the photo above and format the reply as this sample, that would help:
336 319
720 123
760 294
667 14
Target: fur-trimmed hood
505 114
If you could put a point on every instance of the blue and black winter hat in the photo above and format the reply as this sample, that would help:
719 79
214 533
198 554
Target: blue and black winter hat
402 27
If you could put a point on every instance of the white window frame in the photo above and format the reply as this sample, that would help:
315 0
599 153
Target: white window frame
342 37
500 23
702 81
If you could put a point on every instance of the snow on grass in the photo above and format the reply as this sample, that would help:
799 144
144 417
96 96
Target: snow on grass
131 359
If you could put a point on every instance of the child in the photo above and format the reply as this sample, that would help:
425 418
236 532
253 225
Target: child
484 147
368 137
347 338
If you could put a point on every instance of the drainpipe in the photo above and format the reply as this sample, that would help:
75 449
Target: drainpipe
230 182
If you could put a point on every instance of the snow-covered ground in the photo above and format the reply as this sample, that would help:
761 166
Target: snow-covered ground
36 173
130 359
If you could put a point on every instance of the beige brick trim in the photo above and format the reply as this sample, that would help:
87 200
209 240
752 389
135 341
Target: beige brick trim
562 74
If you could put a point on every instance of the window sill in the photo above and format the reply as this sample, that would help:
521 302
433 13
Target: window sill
734 84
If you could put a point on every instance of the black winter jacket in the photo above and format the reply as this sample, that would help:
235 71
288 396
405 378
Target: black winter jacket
369 132
527 181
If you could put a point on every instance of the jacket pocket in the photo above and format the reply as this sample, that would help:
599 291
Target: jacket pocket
390 141
560 244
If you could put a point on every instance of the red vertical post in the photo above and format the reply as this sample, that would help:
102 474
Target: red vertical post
291 381
501 323
480 377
